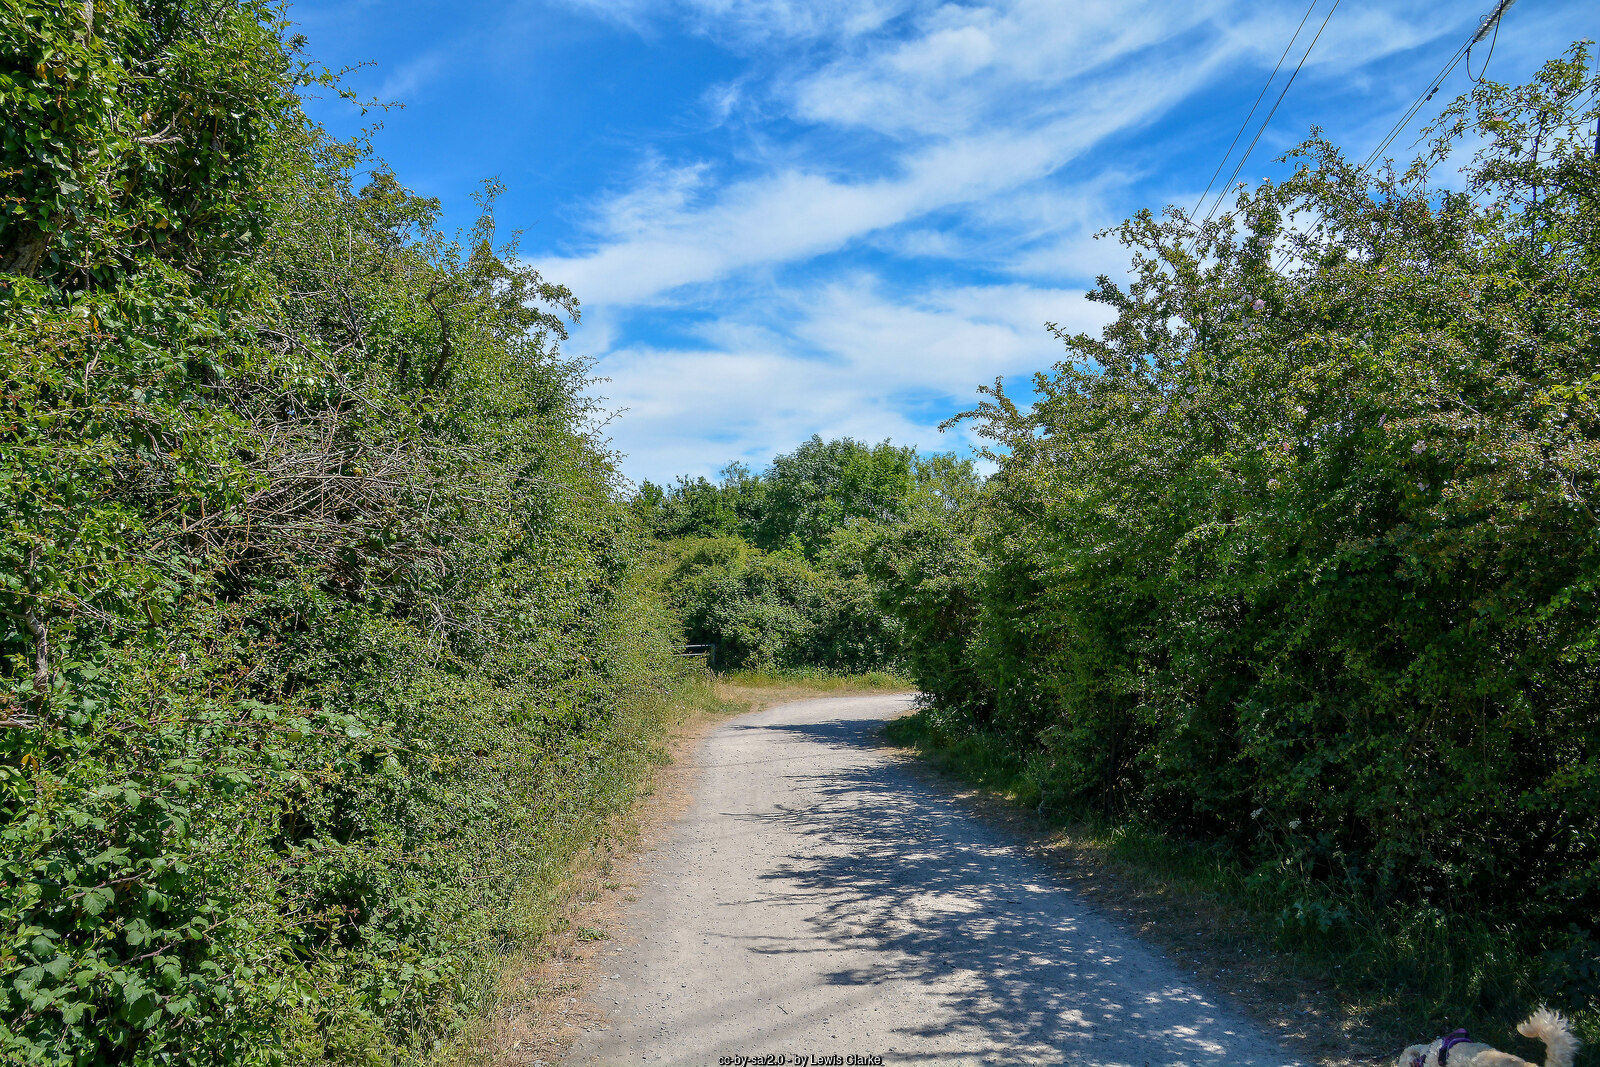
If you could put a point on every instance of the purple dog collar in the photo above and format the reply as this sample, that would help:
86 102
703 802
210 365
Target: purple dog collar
1450 1041
1446 1043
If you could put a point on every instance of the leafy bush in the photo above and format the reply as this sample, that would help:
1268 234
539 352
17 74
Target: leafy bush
927 573
776 611
321 647
797 503
781 571
1300 556
823 486
730 507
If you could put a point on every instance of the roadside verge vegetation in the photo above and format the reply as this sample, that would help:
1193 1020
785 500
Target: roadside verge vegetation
322 651
1299 561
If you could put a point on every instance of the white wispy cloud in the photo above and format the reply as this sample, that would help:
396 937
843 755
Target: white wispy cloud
957 136
991 64
407 81
754 22
993 99
844 356
775 218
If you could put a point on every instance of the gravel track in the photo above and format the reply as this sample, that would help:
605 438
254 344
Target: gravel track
819 900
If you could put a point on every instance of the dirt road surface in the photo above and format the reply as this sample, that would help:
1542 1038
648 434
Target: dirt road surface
819 900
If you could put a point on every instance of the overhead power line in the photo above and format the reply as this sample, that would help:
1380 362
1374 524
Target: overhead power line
1223 192
1491 21
1492 42
1259 97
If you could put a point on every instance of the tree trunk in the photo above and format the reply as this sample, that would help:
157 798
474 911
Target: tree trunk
25 253
41 655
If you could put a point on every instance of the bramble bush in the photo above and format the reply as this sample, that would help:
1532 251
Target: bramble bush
321 650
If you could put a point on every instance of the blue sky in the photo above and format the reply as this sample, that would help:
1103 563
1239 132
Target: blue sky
785 218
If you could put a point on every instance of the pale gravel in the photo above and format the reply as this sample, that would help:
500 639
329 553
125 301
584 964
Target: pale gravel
817 899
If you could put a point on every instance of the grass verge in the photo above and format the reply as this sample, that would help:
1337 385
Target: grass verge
1339 981
528 1007
763 689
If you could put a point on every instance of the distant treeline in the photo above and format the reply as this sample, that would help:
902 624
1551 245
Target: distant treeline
321 651
772 568
1300 558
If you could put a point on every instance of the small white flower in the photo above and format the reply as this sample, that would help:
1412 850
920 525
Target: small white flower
1294 824
1257 813
1272 483
1299 409
1259 304
1419 447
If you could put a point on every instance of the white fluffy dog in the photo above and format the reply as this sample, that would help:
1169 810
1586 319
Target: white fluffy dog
1458 1050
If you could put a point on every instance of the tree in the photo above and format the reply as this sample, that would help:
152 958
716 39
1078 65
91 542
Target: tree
821 486
1299 555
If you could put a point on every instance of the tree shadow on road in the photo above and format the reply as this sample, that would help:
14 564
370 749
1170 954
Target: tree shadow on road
888 863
